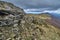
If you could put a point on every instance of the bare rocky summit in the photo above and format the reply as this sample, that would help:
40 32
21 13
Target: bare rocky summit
16 25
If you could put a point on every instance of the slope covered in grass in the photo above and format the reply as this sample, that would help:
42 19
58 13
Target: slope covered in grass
25 26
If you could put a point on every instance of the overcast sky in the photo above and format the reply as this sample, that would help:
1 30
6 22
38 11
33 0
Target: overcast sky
36 5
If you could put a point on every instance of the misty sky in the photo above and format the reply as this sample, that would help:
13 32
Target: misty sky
36 5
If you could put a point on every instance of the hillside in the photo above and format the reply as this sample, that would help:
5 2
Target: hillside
40 29
16 25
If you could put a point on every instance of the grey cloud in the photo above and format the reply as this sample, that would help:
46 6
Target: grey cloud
36 3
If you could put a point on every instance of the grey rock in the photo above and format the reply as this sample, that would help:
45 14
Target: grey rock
10 14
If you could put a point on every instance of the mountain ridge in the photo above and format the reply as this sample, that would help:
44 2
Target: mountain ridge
17 25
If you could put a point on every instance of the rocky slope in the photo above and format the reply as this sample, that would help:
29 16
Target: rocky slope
9 14
16 25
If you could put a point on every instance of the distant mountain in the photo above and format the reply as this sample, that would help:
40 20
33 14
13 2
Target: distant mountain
55 19
57 16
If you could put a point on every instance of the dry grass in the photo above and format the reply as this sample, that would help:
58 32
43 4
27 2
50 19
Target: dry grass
37 30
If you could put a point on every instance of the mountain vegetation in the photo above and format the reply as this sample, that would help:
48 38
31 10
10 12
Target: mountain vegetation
15 24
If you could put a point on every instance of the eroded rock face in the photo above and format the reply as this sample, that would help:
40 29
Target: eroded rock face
10 14
9 19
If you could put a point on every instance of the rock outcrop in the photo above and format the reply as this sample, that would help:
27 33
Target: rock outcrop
9 14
